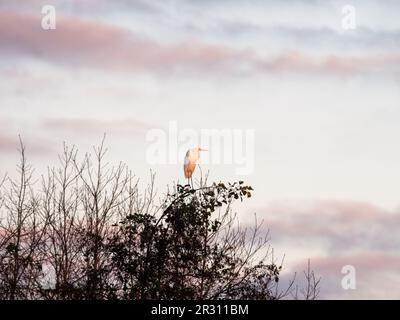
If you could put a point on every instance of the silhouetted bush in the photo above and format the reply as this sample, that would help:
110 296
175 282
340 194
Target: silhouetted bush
86 232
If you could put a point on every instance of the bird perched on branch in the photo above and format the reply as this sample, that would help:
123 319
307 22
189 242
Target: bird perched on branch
192 155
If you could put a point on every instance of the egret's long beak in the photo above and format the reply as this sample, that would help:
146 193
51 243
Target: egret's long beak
200 149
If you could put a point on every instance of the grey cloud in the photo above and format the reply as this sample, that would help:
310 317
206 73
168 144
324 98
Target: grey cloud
343 225
95 126
350 233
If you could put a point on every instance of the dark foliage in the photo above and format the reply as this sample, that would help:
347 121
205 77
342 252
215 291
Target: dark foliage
87 233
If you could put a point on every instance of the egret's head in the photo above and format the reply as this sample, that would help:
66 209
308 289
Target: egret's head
195 153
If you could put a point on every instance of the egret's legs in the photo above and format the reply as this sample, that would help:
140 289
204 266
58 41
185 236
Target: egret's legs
201 176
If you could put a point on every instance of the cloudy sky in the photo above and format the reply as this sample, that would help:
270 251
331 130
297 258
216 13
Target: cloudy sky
323 101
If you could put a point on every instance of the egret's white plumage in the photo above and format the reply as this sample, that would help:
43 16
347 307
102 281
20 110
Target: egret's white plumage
192 155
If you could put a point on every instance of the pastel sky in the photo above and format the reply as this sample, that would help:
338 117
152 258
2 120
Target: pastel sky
324 102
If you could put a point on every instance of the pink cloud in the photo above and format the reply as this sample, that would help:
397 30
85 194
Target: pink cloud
35 146
336 225
340 209
370 262
377 275
332 64
96 126
94 44
348 232
8 143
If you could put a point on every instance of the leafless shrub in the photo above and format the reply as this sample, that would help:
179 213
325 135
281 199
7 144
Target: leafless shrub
84 231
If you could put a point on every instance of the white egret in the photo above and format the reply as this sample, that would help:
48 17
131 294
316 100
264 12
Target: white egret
192 155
